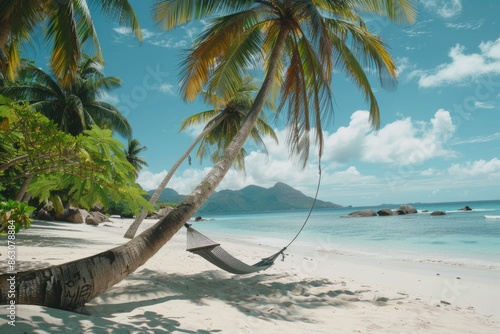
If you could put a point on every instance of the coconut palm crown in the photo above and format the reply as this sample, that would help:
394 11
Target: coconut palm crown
74 109
225 119
318 36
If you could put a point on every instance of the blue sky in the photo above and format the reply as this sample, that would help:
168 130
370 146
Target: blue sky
440 132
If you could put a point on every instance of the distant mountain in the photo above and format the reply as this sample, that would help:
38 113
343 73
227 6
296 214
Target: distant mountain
280 197
168 196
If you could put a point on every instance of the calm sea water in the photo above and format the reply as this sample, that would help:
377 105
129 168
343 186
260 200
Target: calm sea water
462 238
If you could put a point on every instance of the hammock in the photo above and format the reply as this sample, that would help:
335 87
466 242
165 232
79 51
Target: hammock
211 251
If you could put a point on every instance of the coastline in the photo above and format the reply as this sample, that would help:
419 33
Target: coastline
313 290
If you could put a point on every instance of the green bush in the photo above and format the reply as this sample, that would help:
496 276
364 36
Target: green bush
15 214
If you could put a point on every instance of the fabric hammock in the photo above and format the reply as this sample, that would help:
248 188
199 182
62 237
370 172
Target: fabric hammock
211 251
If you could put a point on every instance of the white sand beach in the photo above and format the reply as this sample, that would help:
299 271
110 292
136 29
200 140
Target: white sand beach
312 291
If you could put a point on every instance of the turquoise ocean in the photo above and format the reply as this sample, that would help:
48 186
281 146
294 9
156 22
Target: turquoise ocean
468 238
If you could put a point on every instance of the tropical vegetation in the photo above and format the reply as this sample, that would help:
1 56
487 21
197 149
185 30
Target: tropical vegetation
61 168
14 216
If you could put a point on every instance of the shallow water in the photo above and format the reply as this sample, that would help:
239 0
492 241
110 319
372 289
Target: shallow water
470 238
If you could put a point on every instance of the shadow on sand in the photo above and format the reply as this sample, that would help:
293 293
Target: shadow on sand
271 297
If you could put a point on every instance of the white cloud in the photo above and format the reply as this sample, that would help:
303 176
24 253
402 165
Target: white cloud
125 34
490 169
126 31
194 130
167 88
479 139
472 25
106 97
429 172
484 105
444 8
183 181
402 142
419 29
192 31
123 30
169 43
149 180
491 49
463 67
403 63
146 34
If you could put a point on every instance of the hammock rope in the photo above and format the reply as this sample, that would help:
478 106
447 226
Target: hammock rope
211 251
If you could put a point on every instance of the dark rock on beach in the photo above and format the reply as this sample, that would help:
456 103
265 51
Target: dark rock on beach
77 216
465 208
90 220
73 215
43 215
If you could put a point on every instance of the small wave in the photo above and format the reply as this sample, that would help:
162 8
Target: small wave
491 217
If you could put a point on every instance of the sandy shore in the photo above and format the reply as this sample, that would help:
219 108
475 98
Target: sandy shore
312 291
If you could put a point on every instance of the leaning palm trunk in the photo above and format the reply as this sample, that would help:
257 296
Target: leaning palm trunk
132 230
71 285
24 187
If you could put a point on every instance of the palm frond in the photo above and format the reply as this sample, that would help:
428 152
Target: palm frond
62 32
399 11
106 115
121 11
172 13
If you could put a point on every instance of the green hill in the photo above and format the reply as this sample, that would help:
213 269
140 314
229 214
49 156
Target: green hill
280 197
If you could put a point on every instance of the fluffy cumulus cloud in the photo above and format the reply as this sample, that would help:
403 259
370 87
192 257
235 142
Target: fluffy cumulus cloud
183 181
464 67
401 142
444 8
489 169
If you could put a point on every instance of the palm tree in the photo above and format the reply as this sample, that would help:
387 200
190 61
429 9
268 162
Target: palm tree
132 152
67 25
222 124
300 40
224 121
74 109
